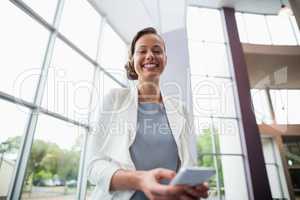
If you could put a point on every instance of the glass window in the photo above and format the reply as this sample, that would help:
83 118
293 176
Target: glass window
293 106
261 106
241 27
204 24
229 178
279 100
80 23
11 131
234 177
274 168
296 28
108 83
69 83
216 183
286 106
257 29
193 26
203 129
217 136
281 30
53 166
213 96
227 131
23 45
113 51
46 9
208 59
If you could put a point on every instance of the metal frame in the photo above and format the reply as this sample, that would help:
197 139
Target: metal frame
15 100
277 167
268 29
15 190
215 154
82 183
27 140
257 179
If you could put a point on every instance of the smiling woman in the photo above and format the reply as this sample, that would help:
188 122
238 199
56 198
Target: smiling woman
141 159
146 52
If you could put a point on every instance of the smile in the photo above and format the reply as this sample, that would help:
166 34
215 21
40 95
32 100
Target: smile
150 65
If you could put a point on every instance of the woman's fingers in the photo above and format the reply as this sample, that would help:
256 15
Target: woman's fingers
161 173
168 190
187 197
197 191
192 191
203 189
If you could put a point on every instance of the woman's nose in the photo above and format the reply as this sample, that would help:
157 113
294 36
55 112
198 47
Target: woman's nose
149 55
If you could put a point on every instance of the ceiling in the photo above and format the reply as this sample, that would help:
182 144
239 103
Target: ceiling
249 6
126 17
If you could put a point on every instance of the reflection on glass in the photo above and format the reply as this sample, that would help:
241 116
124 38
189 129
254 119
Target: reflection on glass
46 9
203 130
229 178
204 24
217 135
69 83
285 104
90 188
234 177
281 30
23 44
257 29
296 28
241 27
113 51
228 135
293 106
80 23
10 140
292 152
193 27
108 83
213 96
274 169
261 106
280 100
53 166
216 183
208 59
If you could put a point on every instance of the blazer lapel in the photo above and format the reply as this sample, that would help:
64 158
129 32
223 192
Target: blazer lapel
132 114
175 117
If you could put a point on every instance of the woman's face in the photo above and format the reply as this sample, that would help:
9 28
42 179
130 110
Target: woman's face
149 57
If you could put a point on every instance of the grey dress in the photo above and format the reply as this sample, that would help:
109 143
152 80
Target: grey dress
154 145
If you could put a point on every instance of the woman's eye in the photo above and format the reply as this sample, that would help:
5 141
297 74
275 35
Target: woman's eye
157 51
141 51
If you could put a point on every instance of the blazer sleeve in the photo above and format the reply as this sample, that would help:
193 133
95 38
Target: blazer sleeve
100 167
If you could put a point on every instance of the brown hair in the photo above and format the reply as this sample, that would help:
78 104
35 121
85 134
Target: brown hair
131 74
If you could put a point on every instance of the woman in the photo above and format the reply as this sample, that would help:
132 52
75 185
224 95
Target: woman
143 137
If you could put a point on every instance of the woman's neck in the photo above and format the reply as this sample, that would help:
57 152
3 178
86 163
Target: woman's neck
149 91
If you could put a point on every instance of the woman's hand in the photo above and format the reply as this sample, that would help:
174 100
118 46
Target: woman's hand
154 190
195 192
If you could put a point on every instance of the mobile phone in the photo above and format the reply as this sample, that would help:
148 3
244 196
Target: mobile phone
192 176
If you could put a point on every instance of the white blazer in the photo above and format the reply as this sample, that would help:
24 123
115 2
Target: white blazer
110 140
